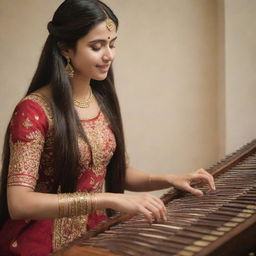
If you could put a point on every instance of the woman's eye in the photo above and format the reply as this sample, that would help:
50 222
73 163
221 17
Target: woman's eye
112 46
95 48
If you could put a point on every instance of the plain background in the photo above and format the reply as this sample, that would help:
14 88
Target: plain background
184 71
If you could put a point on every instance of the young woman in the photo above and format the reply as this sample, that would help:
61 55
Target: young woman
65 139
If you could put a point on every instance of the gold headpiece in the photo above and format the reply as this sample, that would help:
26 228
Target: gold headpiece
109 23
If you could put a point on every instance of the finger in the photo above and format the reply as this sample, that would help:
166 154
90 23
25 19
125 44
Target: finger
212 183
200 176
160 202
194 191
147 214
161 206
157 201
210 178
155 211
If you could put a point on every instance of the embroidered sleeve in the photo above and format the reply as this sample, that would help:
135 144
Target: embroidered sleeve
27 136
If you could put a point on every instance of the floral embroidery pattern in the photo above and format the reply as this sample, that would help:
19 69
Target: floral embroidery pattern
31 162
24 160
102 142
27 123
26 142
67 229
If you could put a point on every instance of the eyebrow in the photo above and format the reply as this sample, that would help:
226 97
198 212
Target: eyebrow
102 40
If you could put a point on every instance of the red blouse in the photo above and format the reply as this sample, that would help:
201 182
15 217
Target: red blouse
31 164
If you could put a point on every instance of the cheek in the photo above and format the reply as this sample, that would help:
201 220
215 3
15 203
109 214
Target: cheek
114 53
85 61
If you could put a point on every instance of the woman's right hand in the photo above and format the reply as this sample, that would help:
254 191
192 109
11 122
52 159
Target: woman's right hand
151 206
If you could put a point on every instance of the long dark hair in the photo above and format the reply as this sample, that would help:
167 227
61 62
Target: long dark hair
72 20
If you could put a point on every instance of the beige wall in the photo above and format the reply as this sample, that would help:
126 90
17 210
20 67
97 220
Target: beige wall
23 32
221 79
178 108
166 78
240 80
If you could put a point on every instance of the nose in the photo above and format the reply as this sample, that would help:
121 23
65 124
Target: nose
108 54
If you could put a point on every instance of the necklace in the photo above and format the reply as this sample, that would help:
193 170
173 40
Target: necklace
86 103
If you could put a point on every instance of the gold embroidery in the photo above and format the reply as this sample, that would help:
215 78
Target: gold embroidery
33 135
97 188
43 103
47 155
24 160
27 123
85 156
92 181
102 143
67 229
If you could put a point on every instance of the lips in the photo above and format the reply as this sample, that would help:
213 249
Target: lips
103 68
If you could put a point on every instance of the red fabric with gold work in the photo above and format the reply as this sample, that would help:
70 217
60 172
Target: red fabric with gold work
31 164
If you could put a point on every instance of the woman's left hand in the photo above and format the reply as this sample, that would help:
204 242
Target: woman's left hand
185 181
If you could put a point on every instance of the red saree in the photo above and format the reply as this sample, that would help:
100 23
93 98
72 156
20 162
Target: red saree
31 164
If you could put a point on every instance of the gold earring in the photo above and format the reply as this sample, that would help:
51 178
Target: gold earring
69 68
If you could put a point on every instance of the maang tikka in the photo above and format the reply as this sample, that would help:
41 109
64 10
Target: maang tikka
69 68
109 23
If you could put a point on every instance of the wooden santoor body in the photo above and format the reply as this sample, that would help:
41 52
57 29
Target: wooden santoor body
219 223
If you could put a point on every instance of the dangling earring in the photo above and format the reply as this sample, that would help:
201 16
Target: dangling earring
69 68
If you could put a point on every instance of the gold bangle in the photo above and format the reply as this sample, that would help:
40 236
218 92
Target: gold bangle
84 203
76 204
69 201
85 197
59 204
62 203
89 203
94 203
72 204
67 205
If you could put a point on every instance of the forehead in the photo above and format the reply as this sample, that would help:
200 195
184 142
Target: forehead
100 31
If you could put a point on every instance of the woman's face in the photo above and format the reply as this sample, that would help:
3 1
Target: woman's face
94 53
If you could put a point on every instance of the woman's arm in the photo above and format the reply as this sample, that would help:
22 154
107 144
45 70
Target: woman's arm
24 203
139 181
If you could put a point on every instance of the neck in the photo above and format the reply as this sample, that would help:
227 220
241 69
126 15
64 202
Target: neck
80 87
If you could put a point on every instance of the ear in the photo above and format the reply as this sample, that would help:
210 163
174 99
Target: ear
65 52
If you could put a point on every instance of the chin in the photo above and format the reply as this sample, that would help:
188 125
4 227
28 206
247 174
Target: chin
100 78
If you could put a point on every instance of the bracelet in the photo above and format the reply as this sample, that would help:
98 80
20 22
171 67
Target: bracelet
93 202
76 204
61 199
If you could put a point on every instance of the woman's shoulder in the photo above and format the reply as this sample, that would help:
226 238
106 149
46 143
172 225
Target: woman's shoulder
38 101
32 117
33 110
